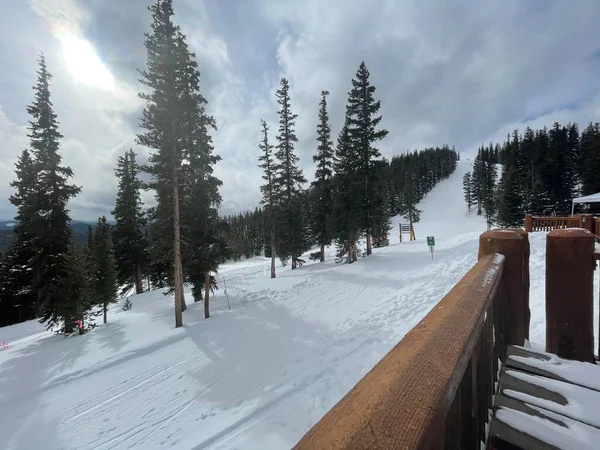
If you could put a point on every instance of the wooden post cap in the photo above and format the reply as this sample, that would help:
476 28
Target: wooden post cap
571 233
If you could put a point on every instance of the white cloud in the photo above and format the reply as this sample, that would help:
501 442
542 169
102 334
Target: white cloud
460 73
61 15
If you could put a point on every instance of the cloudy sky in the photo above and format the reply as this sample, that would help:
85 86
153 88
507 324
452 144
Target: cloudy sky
458 72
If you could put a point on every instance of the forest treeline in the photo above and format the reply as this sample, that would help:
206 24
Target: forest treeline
536 172
406 180
182 239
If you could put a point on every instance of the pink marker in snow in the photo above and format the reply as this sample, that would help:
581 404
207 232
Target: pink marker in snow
4 345
148 305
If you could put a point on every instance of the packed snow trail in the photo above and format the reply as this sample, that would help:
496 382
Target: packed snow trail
256 377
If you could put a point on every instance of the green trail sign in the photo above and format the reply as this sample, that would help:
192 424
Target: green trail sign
431 244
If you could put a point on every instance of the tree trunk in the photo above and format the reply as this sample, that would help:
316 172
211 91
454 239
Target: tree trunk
138 279
206 295
349 248
273 252
80 315
322 252
105 308
183 304
369 248
177 252
69 327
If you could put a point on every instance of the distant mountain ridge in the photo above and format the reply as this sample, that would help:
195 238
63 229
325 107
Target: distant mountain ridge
76 225
79 228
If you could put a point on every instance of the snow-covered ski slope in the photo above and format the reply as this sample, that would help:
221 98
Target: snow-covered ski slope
256 377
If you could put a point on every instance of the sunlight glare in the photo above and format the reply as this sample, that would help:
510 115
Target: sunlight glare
84 64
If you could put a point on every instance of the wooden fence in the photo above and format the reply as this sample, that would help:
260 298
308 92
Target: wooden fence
435 388
533 223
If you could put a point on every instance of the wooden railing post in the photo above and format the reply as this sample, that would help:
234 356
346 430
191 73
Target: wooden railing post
570 294
588 222
526 280
529 223
512 246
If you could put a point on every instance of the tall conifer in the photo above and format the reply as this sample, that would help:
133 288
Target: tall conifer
323 179
363 133
269 190
42 208
176 127
288 181
104 273
128 236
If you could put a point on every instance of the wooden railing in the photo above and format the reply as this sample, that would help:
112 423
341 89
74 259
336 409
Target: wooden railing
435 388
533 223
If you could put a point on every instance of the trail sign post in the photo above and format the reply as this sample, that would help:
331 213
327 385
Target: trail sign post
431 244
407 228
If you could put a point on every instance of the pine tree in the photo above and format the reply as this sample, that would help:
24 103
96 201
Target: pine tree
510 211
269 192
104 274
288 180
558 174
573 152
363 132
259 240
489 192
87 256
381 216
167 116
323 175
129 241
6 302
347 200
589 159
200 198
48 221
467 185
159 261
528 167
410 198
477 178
74 300
20 274
16 296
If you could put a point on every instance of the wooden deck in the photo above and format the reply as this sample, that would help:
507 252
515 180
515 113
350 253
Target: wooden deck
545 402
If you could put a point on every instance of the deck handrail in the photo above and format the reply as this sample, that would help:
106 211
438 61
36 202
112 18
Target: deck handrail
536 223
435 387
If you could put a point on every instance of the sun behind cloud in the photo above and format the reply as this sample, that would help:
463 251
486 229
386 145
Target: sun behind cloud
83 62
